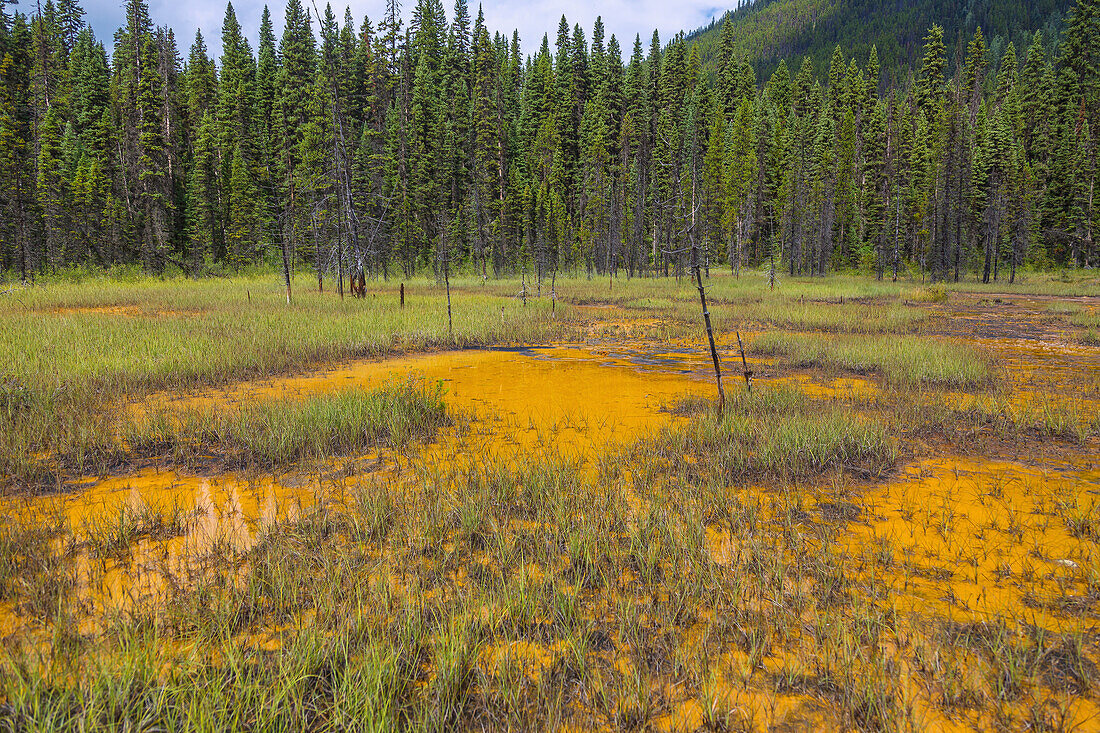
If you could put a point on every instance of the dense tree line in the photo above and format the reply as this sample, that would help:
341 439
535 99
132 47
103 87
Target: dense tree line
375 147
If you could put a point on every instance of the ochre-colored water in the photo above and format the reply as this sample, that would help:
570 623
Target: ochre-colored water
572 398
1048 365
974 539
175 520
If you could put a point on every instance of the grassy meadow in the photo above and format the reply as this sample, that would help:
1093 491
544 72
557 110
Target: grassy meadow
918 551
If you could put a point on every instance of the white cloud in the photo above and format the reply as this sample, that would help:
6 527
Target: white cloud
624 18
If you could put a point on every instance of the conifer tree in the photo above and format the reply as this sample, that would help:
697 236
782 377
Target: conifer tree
266 78
297 51
973 76
1079 63
16 168
153 182
875 189
90 208
727 81
70 20
455 89
235 92
201 84
53 198
824 192
202 197
243 224
1035 78
740 177
930 80
488 147
49 72
712 190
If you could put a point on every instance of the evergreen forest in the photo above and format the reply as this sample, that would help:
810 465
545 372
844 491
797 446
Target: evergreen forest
397 145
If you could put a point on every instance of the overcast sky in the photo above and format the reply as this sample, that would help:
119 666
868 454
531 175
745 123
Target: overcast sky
624 18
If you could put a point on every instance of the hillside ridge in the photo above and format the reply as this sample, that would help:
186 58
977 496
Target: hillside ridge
767 31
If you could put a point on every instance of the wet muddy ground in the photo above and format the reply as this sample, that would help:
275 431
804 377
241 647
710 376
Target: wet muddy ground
580 400
1004 534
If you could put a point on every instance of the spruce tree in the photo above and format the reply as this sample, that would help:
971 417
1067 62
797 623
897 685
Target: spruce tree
16 167
875 191
53 194
930 80
727 71
91 93
245 215
202 197
201 83
1079 62
153 180
70 20
973 75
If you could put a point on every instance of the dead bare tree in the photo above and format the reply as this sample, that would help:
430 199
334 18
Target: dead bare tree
553 295
706 318
697 271
287 246
443 264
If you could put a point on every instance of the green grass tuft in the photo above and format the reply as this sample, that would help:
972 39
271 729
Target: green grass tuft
273 432
902 361
773 432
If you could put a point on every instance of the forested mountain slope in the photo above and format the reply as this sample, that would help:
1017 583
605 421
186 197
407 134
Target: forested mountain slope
769 30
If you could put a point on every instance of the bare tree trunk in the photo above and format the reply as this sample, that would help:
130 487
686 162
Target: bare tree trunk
553 295
339 259
706 319
447 282
897 227
286 270
317 254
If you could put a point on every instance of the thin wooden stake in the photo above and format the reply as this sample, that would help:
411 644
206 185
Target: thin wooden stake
710 331
553 295
450 322
402 295
447 281
744 363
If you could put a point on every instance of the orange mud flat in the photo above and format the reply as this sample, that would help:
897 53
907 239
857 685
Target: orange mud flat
572 398
961 539
974 539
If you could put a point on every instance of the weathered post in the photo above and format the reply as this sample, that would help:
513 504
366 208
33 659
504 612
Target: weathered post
744 363
553 295
706 319
402 295
447 282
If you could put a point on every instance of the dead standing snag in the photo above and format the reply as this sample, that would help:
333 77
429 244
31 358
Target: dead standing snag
706 318
744 363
